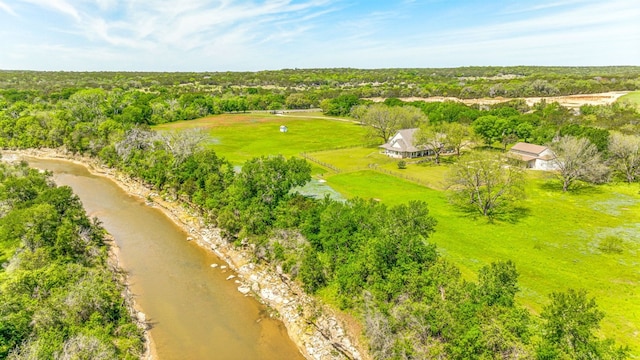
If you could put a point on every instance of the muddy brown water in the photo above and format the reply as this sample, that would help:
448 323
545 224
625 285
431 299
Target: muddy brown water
194 311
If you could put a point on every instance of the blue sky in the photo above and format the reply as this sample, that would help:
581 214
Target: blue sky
220 35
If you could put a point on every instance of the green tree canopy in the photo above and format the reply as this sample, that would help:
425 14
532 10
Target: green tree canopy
485 183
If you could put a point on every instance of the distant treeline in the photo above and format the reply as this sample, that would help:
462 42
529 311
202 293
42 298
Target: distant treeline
314 85
154 98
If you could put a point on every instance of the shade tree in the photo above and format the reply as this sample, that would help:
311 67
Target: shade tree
458 136
570 322
182 144
578 159
431 138
624 152
597 136
491 128
87 105
383 121
484 183
340 105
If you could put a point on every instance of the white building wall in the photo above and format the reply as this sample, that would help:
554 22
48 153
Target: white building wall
541 164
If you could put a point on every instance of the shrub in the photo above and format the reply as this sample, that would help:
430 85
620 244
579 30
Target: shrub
611 245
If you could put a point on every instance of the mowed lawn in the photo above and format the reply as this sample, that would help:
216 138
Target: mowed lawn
363 158
240 137
555 243
352 159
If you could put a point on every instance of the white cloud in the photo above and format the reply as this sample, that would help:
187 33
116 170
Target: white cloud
61 6
196 23
615 13
106 4
6 8
517 9
608 25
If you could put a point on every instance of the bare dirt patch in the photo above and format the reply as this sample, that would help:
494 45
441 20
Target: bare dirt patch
571 101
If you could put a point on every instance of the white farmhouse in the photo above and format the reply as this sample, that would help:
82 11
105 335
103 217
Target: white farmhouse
401 146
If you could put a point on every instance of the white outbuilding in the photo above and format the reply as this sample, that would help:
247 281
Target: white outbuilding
536 157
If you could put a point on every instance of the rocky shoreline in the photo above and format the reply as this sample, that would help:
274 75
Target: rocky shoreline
314 328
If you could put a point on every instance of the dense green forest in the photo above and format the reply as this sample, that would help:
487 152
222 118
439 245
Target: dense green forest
59 296
377 261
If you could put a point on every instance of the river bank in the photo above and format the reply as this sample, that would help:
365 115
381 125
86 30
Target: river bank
315 329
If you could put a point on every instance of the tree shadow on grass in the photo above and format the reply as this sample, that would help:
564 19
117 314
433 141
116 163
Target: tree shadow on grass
511 215
577 188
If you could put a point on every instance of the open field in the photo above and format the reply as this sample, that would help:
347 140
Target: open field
363 158
240 137
557 242
555 245
352 159
631 98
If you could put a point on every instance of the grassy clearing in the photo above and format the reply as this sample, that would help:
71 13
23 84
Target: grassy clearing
353 159
631 98
587 239
240 137
425 173
387 189
556 246
363 158
557 243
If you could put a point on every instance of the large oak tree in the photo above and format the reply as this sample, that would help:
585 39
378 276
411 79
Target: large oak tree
486 183
625 155
578 159
384 121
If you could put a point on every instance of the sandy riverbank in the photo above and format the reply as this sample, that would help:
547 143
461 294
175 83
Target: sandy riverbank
318 332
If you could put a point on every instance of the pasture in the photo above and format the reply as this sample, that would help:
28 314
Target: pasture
631 98
585 239
588 239
240 137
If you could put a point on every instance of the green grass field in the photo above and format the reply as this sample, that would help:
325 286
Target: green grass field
240 137
556 243
631 98
555 246
352 159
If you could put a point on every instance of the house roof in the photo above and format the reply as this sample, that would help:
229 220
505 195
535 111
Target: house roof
528 152
402 141
529 148
524 157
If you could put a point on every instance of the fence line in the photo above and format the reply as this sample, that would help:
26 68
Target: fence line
340 148
375 167
322 163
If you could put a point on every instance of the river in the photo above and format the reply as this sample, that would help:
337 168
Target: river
195 312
